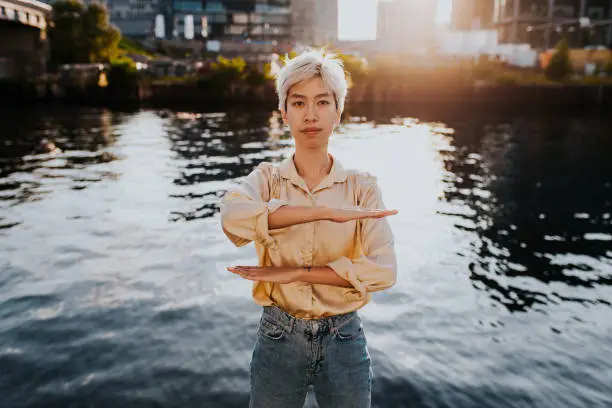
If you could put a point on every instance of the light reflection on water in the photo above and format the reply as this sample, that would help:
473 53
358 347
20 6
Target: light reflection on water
112 282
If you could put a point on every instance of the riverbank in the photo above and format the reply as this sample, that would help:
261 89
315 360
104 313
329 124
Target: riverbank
169 94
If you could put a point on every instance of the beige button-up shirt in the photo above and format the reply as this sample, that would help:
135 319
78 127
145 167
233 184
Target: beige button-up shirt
361 252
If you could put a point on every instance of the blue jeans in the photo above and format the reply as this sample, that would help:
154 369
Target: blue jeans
290 354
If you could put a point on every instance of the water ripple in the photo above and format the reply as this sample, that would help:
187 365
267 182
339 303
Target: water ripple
113 290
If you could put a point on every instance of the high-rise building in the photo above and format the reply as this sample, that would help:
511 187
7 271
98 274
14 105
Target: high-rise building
406 26
254 20
470 15
541 23
303 13
134 18
247 27
326 22
315 22
245 20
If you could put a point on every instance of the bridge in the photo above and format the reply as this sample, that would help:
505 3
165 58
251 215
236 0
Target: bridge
23 38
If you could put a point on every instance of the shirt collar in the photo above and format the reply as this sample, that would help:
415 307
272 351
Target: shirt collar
337 173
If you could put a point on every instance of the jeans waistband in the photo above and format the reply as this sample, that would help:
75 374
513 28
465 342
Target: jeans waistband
333 322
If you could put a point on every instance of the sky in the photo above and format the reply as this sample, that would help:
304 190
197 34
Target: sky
357 18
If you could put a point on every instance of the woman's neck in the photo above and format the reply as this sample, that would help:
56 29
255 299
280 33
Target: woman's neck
312 164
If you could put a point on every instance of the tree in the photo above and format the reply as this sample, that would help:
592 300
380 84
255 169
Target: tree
608 67
560 65
65 33
100 37
227 70
80 34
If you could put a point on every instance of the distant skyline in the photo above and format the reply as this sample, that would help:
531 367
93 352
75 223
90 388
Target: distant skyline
357 18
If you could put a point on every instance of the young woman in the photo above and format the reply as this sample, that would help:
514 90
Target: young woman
324 245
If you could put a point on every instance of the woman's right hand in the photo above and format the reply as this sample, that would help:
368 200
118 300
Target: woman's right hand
349 214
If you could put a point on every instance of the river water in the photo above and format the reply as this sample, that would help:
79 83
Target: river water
113 291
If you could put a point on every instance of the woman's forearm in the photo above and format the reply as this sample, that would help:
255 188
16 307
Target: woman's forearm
289 215
323 275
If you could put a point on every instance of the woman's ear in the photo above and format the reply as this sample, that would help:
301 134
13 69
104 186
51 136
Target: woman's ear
284 116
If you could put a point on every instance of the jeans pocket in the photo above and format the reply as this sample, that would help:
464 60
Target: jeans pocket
350 331
270 329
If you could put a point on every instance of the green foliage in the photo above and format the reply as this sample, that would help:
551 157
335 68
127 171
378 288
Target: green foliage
255 77
560 66
133 47
354 66
123 74
508 79
227 70
80 34
486 69
608 67
124 63
65 32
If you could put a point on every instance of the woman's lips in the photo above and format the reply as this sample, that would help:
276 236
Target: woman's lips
311 131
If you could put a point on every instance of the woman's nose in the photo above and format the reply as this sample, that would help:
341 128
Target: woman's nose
311 113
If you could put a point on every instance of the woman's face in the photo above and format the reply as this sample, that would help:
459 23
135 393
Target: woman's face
311 113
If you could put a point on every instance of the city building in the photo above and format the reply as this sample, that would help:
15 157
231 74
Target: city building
542 23
315 22
232 27
468 15
303 13
23 39
134 18
242 27
406 26
326 22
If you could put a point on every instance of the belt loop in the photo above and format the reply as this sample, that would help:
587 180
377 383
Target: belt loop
330 323
291 323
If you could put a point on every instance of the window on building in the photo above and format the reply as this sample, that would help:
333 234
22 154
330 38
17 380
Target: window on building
595 13
241 18
235 29
565 11
274 19
214 7
217 18
188 5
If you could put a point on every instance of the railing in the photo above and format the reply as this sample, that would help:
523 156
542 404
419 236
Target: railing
27 12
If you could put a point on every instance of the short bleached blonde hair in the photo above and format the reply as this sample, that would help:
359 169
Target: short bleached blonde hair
308 65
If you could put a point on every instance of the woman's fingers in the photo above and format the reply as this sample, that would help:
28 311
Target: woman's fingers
378 213
243 270
243 267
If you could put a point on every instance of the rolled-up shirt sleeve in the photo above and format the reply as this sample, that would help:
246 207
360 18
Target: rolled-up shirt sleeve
245 209
376 268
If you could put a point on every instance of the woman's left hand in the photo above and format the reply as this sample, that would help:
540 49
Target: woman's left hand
278 274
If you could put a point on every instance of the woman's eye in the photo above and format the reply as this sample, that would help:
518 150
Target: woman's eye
297 103
324 102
